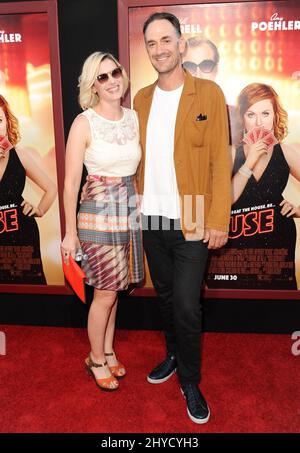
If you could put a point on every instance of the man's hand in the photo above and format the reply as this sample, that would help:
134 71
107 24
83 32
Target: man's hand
215 238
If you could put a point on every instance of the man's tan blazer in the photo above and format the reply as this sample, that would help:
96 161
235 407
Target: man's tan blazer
201 154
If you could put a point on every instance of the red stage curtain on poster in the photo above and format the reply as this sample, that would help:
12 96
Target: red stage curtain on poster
29 87
251 49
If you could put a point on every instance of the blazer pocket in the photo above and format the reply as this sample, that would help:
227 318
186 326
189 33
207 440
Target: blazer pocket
200 149
200 127
197 132
201 156
201 121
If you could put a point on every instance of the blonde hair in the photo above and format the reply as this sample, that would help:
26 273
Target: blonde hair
87 98
256 92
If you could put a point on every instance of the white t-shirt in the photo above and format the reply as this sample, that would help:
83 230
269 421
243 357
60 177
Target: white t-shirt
161 195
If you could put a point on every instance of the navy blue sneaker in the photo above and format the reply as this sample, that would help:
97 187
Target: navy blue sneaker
163 371
197 407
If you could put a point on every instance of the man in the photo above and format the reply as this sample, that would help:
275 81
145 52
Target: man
201 58
184 176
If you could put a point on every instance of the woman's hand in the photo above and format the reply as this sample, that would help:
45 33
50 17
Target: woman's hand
69 246
83 193
289 210
254 153
30 210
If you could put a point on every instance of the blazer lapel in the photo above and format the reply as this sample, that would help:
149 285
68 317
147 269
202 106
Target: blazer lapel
185 104
144 112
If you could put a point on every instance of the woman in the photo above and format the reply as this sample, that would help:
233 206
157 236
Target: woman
263 232
105 138
22 234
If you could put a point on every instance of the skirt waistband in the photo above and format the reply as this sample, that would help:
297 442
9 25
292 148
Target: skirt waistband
111 179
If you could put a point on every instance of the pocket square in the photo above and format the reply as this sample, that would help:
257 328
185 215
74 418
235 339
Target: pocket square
201 117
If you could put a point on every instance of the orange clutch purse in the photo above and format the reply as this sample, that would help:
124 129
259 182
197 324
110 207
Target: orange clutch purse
76 277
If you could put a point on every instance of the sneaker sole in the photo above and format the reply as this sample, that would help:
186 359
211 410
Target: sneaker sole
201 421
160 381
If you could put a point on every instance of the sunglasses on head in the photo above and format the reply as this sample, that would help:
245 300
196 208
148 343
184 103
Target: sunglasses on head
115 73
206 66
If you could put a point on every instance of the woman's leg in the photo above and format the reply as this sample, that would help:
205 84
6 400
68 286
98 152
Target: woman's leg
98 320
110 329
117 368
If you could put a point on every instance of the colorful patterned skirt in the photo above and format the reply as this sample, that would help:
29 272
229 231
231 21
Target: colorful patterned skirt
109 230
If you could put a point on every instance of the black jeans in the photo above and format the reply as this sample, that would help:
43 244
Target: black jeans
177 268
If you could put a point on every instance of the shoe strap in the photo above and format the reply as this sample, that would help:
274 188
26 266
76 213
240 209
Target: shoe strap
109 354
92 364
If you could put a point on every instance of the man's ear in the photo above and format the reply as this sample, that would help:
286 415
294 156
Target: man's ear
185 48
181 44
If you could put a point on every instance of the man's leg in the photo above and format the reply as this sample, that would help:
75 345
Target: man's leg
189 264
160 262
190 259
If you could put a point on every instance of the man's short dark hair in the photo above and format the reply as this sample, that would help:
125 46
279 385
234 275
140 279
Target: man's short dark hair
160 16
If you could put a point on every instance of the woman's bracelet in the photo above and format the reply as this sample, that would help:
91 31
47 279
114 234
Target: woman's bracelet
245 171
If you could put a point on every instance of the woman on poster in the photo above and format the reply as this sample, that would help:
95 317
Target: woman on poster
20 255
262 236
105 138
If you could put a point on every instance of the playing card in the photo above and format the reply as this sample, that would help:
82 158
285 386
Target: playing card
256 133
264 133
249 137
252 136
5 144
260 133
270 140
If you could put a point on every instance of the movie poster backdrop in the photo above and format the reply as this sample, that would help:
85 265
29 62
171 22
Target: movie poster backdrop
251 44
30 245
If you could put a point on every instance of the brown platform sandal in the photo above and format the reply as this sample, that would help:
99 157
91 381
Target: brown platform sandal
119 370
107 384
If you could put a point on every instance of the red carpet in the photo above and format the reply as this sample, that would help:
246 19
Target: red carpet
251 382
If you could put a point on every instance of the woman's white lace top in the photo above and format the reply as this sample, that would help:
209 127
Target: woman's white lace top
114 149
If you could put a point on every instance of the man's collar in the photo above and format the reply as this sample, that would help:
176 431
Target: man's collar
188 87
